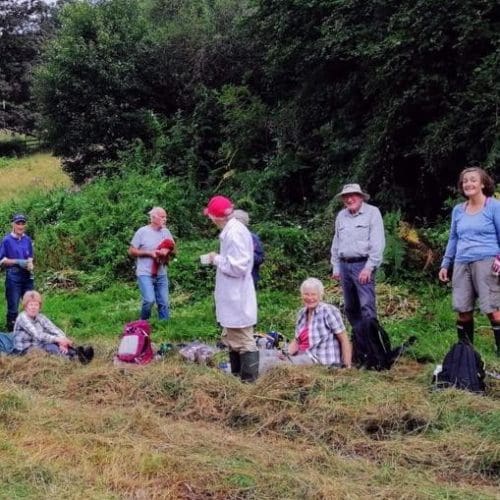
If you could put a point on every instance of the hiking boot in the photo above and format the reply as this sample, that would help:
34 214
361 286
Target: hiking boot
85 354
249 366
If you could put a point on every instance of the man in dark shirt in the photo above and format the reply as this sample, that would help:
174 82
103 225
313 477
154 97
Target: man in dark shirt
16 256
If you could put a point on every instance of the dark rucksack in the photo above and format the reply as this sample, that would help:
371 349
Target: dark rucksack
372 347
462 368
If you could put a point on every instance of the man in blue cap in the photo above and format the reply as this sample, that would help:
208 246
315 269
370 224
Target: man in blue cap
16 256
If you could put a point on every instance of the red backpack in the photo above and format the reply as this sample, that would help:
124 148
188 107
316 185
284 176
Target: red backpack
135 343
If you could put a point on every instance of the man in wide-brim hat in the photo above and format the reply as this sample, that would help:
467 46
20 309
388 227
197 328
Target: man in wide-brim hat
357 248
352 189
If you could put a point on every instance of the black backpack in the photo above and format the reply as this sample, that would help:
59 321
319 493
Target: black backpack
372 347
463 368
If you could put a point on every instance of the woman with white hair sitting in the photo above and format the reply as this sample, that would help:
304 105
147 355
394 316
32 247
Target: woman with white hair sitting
34 330
320 334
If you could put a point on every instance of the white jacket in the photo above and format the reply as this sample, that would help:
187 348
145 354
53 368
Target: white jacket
235 299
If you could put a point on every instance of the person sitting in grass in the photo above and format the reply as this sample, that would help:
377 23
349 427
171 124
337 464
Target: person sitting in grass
33 330
320 334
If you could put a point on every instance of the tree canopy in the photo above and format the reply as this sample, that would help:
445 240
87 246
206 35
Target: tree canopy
280 102
24 26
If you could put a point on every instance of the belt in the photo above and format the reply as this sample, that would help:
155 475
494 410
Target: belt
351 260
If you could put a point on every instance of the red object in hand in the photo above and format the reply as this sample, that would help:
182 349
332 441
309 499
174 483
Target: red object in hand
495 267
163 259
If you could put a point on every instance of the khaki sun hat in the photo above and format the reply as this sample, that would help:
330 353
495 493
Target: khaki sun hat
352 188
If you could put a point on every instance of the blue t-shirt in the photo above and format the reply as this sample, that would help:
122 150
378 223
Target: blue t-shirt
473 237
16 248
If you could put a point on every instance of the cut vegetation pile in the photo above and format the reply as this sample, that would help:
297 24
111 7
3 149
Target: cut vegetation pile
175 430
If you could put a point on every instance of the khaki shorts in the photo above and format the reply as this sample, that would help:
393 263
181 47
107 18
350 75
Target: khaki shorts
239 339
475 280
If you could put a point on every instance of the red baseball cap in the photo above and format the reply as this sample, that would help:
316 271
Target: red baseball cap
218 206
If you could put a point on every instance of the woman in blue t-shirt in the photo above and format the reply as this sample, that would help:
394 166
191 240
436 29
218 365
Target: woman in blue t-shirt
472 249
16 256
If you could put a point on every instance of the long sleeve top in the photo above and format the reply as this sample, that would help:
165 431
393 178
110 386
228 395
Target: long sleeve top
473 236
358 235
34 332
235 298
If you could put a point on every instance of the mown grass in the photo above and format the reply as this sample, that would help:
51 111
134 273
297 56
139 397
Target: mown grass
37 172
174 430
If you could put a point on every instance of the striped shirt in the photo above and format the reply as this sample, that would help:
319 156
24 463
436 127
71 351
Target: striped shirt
34 332
326 322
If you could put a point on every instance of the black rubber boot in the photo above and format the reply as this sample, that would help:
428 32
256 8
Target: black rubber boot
11 320
495 326
235 361
249 366
465 330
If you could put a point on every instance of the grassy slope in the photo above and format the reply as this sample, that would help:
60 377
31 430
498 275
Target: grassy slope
173 430
40 171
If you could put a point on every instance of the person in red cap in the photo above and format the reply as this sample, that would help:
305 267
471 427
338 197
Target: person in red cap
235 298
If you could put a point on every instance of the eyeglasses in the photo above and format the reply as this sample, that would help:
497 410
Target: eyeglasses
20 222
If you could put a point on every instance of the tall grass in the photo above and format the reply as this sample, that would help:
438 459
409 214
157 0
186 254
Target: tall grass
23 176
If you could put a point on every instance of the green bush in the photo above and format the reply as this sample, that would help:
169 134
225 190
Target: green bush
90 229
395 248
87 230
292 254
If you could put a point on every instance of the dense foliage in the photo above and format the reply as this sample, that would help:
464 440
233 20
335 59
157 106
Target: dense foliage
280 102
82 236
24 26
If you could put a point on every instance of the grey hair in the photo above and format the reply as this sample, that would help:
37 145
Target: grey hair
154 210
313 284
241 215
31 295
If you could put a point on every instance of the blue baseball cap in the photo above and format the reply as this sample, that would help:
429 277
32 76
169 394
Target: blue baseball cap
19 218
